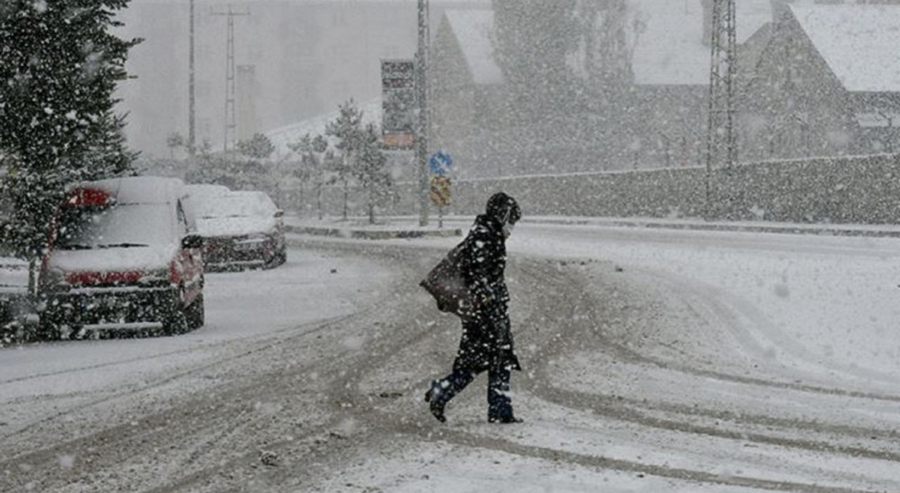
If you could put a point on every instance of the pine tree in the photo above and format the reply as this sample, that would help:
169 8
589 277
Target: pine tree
347 130
259 147
59 67
312 154
175 141
370 171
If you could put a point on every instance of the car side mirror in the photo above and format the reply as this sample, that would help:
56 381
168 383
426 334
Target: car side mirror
279 214
192 241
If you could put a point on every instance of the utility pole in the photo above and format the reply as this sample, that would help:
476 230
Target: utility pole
192 102
422 125
721 138
230 119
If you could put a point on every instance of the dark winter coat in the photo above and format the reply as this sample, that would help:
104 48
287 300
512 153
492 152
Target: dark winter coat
487 337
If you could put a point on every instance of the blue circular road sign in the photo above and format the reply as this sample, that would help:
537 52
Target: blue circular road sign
440 163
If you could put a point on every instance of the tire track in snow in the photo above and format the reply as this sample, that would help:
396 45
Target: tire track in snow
200 347
314 327
628 354
471 440
727 311
586 320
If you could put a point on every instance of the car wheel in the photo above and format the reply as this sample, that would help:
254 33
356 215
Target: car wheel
50 327
176 323
175 320
48 330
277 259
196 314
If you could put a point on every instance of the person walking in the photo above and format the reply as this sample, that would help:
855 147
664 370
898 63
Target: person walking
487 343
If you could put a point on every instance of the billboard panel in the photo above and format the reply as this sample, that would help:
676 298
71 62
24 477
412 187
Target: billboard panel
398 96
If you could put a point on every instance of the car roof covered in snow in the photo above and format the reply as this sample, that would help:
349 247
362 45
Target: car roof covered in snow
236 213
138 189
858 42
203 192
207 188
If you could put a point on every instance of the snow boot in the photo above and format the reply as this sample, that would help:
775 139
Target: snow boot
510 419
435 402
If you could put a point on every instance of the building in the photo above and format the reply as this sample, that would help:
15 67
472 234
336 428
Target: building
671 67
829 82
657 119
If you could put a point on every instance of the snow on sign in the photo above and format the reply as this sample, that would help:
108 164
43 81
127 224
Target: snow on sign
440 163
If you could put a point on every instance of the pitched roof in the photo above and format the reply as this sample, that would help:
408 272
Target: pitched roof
472 30
859 43
670 49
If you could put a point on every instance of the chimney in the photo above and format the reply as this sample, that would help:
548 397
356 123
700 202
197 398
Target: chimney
707 21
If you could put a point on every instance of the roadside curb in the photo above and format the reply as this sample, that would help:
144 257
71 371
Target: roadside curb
365 234
835 230
846 230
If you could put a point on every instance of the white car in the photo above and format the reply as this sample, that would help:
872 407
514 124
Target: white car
241 230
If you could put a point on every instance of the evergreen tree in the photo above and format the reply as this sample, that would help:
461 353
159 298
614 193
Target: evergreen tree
258 147
234 171
59 67
347 130
320 148
312 154
175 141
370 171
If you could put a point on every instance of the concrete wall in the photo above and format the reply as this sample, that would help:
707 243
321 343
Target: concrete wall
857 190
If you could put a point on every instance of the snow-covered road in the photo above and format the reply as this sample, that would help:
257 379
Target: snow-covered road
655 360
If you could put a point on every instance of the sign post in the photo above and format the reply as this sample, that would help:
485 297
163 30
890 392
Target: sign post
440 164
441 196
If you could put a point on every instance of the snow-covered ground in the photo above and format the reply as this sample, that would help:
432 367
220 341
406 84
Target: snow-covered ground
824 308
655 361
761 342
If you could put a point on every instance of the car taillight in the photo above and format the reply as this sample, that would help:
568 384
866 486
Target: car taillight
175 272
89 197
103 278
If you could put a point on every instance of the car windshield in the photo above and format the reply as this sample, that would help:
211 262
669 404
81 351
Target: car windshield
117 226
